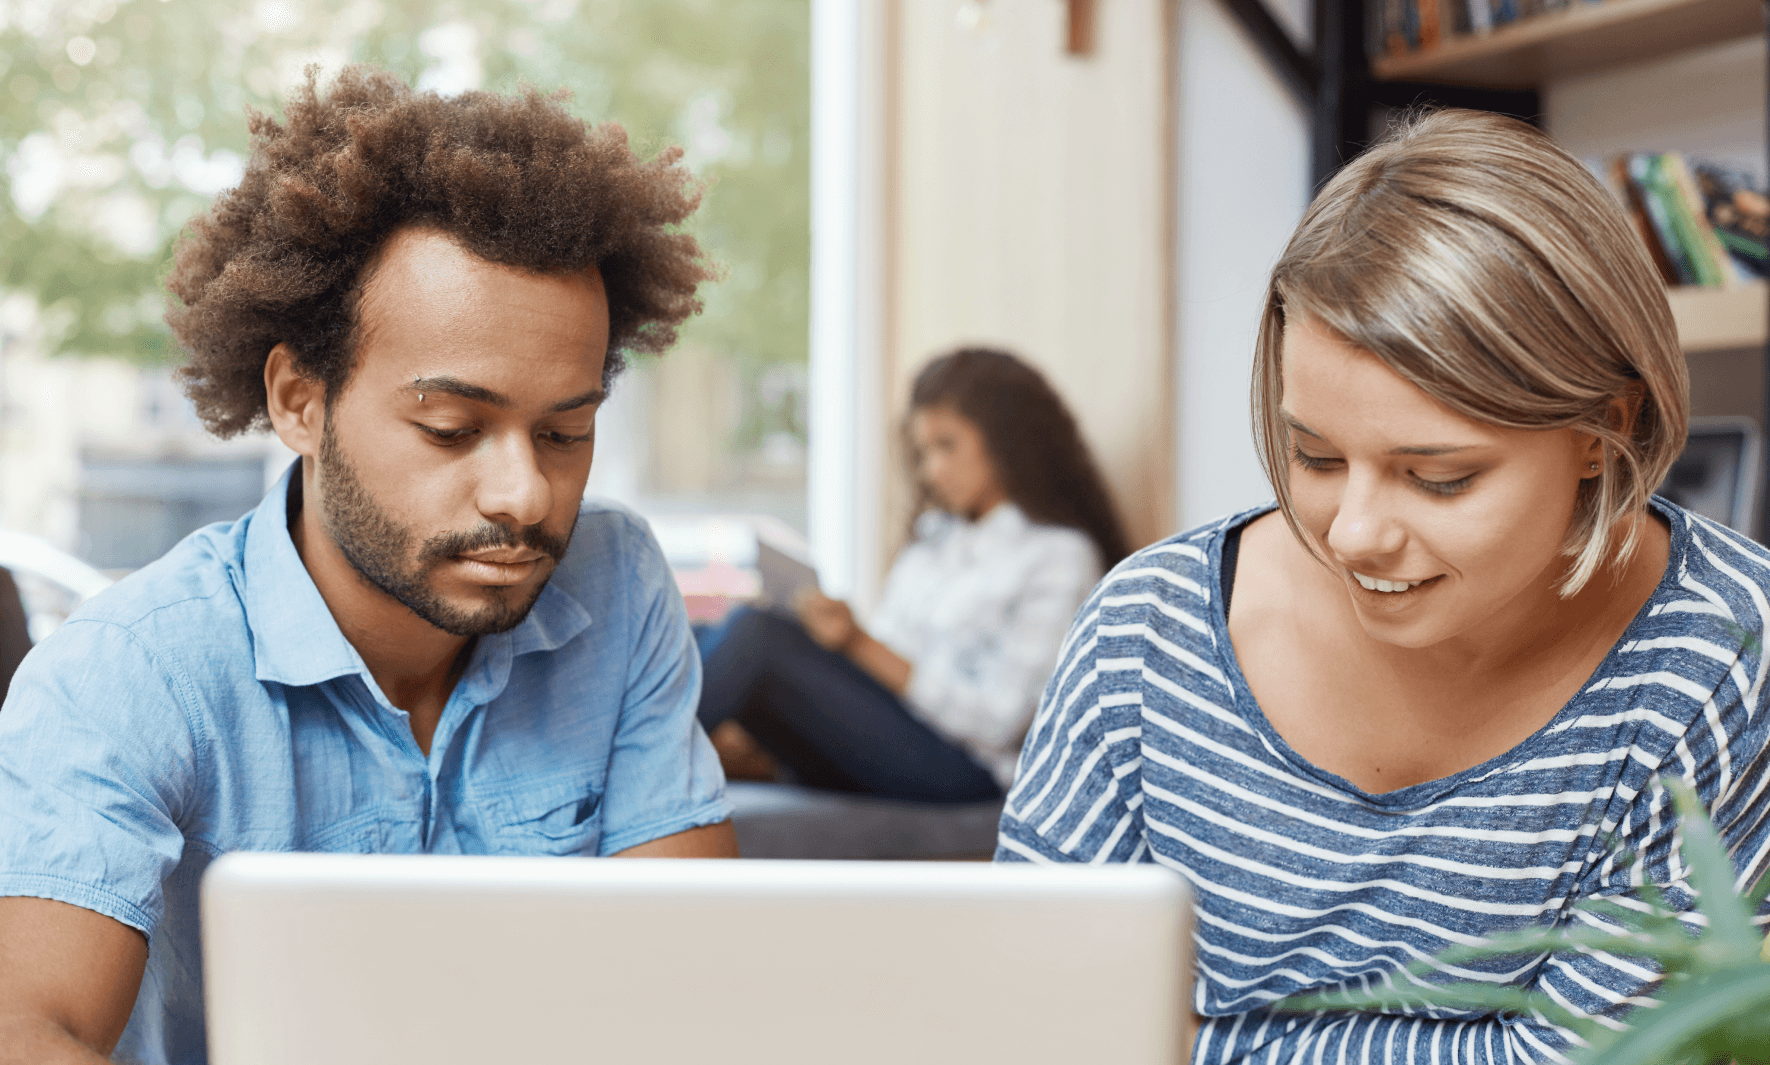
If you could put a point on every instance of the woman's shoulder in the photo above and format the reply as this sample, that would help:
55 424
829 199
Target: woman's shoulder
1698 536
1713 573
1193 557
1162 599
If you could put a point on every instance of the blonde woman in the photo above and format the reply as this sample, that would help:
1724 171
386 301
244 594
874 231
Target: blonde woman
1426 696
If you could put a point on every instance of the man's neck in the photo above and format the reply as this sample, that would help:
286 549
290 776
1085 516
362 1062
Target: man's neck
415 663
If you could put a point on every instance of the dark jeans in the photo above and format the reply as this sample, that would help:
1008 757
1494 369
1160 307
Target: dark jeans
824 718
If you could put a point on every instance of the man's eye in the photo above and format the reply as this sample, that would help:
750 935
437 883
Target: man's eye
567 439
445 435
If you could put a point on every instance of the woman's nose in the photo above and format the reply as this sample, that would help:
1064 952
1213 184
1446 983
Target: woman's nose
1365 525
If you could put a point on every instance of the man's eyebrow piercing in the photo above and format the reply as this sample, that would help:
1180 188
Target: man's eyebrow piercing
415 381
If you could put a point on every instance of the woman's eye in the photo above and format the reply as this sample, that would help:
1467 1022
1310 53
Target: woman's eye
1308 461
1444 488
559 439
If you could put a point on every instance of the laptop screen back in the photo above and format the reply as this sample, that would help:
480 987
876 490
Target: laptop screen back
450 961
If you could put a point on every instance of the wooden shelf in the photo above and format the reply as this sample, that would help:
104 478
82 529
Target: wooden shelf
1720 319
1580 38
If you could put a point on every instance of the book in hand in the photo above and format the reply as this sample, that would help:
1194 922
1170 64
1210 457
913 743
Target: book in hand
783 576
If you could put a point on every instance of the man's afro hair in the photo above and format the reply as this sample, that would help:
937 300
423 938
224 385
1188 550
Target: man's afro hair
515 180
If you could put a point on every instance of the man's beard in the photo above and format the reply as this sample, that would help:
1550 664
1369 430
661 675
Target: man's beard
380 549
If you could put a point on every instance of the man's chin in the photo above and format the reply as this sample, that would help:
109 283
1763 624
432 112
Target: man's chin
485 611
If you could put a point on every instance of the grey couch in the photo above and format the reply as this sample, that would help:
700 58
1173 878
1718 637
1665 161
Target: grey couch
788 821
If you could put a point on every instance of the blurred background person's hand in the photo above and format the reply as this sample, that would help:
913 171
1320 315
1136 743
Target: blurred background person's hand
828 621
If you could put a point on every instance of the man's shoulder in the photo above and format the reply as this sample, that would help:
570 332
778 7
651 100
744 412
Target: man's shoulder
612 547
195 584
175 627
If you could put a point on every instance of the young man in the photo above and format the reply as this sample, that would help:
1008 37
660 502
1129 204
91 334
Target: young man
422 640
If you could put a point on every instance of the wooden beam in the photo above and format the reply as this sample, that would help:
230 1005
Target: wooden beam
1339 123
1081 27
1300 72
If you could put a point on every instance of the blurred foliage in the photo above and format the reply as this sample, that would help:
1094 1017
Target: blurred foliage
120 120
1711 1008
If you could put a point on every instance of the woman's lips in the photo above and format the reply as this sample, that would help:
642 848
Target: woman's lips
1387 594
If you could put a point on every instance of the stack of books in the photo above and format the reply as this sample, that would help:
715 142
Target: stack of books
1703 225
1398 26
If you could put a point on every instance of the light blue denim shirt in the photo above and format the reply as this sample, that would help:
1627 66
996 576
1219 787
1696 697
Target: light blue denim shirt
209 703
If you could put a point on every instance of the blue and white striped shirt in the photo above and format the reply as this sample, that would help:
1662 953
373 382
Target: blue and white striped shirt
1148 746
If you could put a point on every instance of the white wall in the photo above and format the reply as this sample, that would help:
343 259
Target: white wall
1033 209
1707 103
1243 185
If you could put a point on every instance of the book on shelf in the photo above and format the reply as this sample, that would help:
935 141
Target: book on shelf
1673 206
1397 26
1739 214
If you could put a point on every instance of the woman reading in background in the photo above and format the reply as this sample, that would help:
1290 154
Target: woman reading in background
929 701
1428 695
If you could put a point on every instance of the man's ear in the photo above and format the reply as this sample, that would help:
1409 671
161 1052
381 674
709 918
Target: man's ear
296 403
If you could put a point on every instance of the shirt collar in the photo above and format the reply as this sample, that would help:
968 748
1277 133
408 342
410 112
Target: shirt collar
1003 522
296 641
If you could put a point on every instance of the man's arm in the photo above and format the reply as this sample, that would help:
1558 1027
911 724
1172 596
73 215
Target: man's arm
707 841
68 979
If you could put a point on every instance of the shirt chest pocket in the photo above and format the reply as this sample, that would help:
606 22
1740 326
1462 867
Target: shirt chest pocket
546 817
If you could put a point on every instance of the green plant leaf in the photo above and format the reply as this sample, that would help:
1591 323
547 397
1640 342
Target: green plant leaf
1730 933
1685 1014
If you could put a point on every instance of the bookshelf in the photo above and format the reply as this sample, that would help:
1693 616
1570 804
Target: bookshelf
1583 38
1724 331
1579 39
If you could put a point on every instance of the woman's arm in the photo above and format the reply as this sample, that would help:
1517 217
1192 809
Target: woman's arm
831 623
980 686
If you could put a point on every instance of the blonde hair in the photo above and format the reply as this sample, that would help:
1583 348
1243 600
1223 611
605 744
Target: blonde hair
1487 267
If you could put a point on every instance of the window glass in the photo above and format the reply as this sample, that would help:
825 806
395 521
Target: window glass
119 121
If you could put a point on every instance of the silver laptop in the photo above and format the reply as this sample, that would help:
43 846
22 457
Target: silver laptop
348 959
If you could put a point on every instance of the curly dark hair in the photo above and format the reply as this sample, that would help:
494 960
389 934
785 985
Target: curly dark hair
1038 449
515 180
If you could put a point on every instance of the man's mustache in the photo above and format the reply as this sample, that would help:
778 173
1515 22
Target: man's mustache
492 535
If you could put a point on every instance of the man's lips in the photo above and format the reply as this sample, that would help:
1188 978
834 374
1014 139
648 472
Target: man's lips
508 556
490 567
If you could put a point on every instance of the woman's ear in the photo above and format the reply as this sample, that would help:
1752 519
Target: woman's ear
1622 412
1625 410
295 403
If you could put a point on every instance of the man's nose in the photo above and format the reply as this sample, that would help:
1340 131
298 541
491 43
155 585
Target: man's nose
513 489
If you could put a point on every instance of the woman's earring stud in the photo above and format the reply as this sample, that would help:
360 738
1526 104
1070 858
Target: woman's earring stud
1593 466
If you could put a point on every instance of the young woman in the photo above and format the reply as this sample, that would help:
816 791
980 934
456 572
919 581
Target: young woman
1428 695
931 701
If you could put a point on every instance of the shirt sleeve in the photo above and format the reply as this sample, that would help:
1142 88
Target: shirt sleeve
664 776
1075 796
98 757
979 688
1724 759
